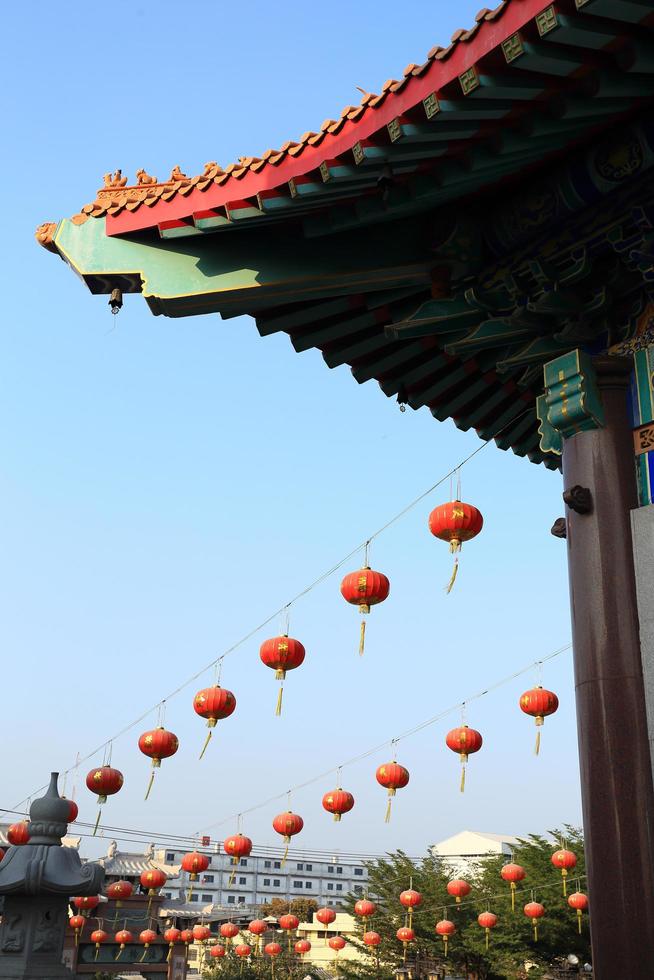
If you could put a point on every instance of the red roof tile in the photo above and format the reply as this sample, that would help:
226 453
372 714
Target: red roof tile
355 123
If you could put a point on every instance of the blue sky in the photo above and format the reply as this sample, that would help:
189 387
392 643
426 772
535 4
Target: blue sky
167 484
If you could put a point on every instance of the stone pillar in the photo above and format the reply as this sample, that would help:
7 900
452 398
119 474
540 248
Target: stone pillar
587 405
642 525
37 880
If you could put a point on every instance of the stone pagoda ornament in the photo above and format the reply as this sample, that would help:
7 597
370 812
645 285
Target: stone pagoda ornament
36 881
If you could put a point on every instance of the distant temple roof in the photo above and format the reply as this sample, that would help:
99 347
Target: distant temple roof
123 864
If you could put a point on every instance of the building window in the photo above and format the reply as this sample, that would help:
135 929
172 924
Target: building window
339 871
297 884
339 887
299 867
278 864
207 898
170 857
192 954
330 886
307 884
358 889
267 864
231 900
266 882
241 899
331 869
207 879
276 882
243 862
358 871
241 881
309 867
192 898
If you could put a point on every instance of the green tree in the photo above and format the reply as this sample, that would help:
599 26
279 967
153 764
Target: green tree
303 908
511 942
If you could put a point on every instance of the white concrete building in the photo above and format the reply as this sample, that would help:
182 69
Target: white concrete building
465 851
264 875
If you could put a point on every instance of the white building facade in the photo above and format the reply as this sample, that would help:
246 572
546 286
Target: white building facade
466 851
259 878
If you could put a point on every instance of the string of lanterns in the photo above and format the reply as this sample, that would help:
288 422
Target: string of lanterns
409 899
107 780
201 705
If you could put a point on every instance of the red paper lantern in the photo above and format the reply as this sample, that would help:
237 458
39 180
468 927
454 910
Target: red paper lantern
242 950
458 889
18 833
153 879
338 802
99 936
186 936
76 923
513 873
172 936
325 915
213 703
538 703
565 861
237 846
194 864
281 653
118 890
147 937
123 937
272 949
302 946
86 903
157 745
257 927
364 908
534 911
579 902
73 810
405 934
455 522
445 929
104 781
371 938
201 933
287 825
464 741
337 943
288 922
228 930
364 589
410 899
217 952
392 776
487 921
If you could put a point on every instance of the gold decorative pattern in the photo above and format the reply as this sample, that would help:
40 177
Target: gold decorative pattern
546 20
469 80
512 48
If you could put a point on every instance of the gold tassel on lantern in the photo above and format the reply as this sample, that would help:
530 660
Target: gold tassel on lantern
464 759
391 794
211 722
513 896
278 708
362 634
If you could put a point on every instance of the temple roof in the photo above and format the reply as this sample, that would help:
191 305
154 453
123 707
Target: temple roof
509 180
123 864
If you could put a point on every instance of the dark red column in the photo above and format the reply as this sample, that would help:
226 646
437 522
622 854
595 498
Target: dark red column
616 772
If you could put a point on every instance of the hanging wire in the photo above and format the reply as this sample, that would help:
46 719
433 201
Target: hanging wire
283 609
